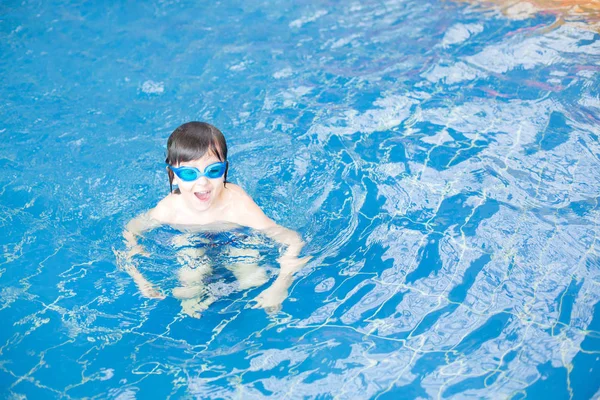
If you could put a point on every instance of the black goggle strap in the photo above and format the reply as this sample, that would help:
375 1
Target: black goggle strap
171 177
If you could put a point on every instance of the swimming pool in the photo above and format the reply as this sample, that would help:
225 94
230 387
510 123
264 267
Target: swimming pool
440 159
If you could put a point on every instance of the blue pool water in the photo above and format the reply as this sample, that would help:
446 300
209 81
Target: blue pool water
440 159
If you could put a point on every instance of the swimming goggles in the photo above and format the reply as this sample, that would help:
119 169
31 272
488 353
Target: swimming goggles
189 174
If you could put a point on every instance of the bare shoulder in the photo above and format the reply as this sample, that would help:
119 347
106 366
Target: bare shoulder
245 211
164 210
238 196
235 189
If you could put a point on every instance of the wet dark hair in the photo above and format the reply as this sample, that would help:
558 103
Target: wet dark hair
191 141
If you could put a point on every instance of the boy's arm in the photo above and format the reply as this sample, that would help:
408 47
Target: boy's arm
272 297
135 228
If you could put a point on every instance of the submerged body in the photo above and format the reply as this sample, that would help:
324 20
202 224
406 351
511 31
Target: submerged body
202 201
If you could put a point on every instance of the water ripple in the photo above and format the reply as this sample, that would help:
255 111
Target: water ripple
441 161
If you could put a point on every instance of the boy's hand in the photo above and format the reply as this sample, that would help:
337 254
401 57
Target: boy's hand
291 264
271 299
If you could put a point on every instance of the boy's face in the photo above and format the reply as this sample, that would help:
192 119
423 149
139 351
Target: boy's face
202 193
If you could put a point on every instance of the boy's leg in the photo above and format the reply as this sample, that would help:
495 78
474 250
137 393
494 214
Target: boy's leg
245 267
193 294
194 267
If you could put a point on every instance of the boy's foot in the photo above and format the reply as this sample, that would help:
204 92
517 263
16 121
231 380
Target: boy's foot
194 307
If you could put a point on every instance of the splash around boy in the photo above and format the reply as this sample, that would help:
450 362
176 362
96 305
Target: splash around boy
197 164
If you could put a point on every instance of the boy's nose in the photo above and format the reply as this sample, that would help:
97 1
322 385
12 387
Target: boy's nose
203 181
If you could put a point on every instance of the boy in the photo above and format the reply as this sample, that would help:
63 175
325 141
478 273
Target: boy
197 164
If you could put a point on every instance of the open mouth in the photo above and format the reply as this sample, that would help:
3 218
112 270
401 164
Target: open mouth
203 196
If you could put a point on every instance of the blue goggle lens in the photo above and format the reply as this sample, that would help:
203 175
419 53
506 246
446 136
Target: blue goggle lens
215 170
190 174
